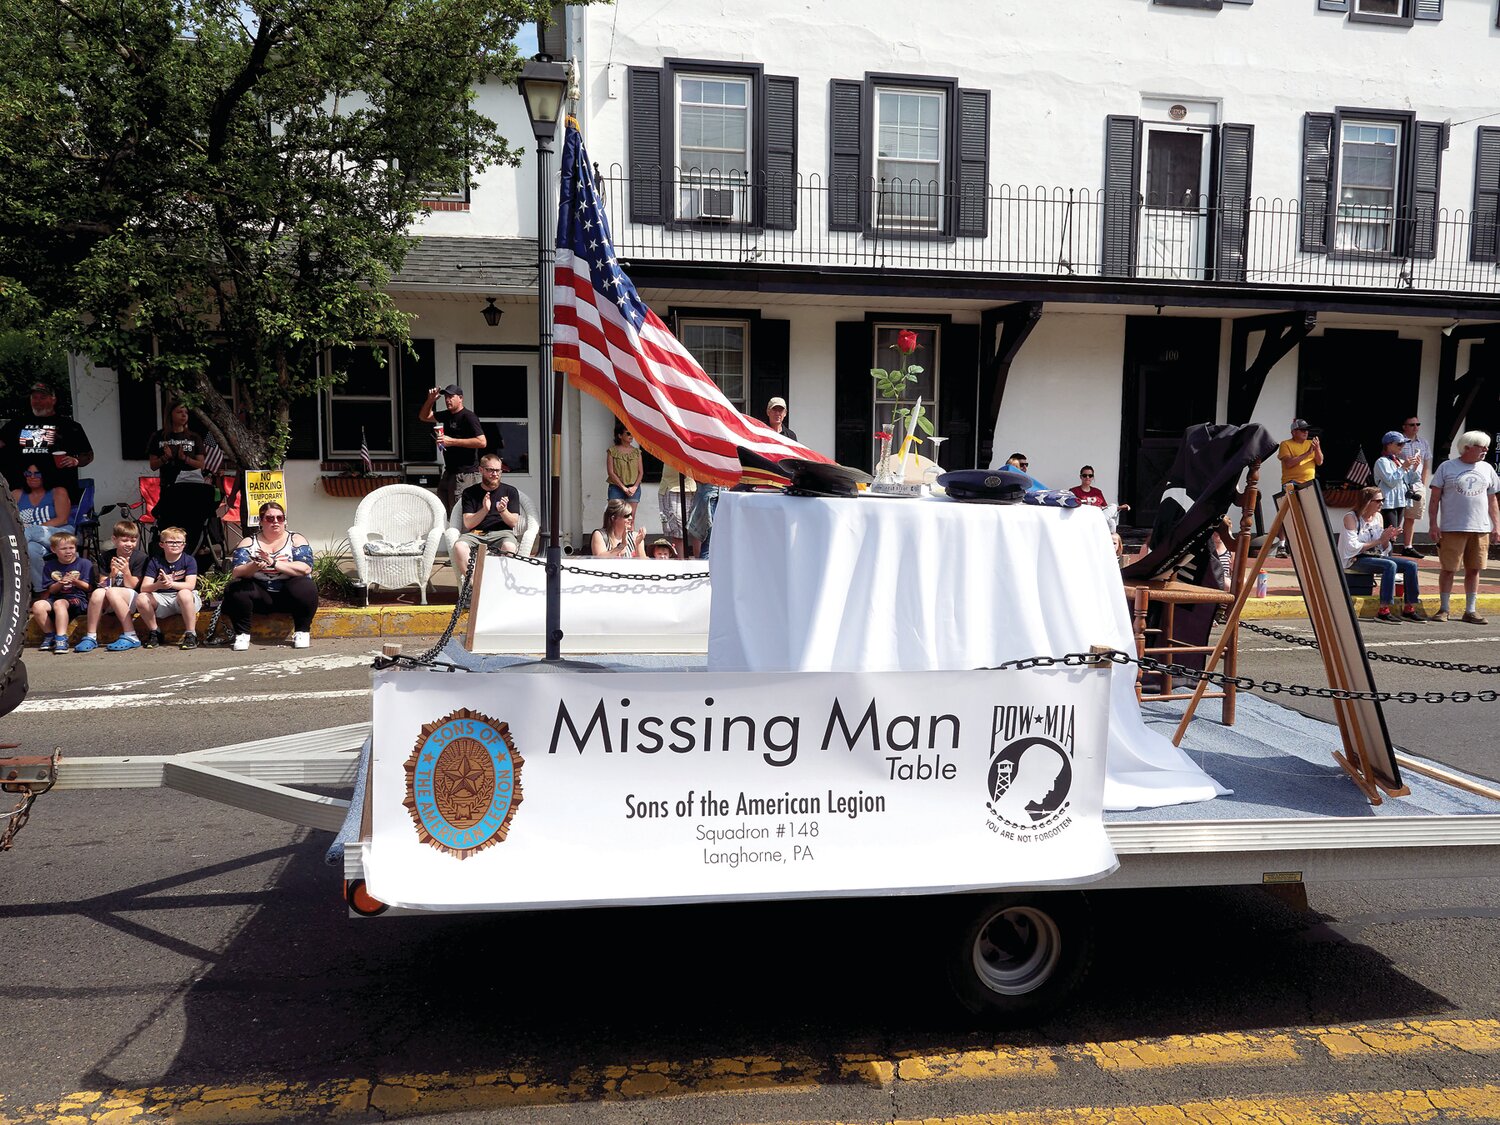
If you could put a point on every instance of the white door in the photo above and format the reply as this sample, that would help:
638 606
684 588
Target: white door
501 387
1175 204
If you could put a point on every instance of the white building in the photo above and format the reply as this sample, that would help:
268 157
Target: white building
1107 219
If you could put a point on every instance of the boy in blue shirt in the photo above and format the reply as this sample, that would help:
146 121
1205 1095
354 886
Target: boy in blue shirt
170 586
69 579
120 574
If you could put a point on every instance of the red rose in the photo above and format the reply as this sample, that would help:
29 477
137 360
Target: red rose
906 341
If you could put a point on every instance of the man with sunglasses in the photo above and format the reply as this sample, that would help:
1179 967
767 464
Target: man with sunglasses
1415 454
491 515
1088 494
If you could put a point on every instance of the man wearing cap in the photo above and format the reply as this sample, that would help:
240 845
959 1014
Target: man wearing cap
776 418
44 432
1418 455
460 439
1300 457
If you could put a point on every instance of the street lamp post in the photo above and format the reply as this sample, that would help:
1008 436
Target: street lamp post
544 86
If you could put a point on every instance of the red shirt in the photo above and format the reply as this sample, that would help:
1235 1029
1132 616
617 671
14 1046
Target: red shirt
1089 496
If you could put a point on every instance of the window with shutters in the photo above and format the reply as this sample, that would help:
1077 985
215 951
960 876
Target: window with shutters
713 147
722 349
1369 179
910 176
925 356
361 407
1399 13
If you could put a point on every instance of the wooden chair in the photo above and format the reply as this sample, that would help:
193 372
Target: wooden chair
1161 639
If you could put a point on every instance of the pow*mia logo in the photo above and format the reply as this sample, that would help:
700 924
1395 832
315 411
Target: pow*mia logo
1029 781
463 783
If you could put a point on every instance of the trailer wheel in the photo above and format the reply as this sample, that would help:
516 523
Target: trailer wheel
1022 955
15 601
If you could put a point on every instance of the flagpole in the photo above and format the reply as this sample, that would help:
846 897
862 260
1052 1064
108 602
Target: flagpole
552 397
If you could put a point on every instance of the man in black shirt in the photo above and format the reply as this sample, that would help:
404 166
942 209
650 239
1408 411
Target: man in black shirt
491 515
459 436
45 433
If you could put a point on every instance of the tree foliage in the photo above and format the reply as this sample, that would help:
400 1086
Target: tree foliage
198 189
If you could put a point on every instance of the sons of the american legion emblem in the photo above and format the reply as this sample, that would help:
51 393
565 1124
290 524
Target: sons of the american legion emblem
463 783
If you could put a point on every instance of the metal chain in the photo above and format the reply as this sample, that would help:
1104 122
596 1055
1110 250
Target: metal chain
615 574
429 658
1408 661
16 819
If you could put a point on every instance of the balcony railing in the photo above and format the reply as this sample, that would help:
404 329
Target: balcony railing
1046 233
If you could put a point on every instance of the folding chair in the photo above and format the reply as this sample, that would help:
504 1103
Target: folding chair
86 520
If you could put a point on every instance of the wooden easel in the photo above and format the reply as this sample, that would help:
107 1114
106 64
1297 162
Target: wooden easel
1368 756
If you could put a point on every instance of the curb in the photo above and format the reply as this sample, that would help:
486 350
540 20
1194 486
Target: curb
1293 605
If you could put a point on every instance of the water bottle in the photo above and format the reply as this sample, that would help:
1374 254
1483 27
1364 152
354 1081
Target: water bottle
1260 585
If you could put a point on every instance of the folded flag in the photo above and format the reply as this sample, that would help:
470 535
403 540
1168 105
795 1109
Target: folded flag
1051 498
616 349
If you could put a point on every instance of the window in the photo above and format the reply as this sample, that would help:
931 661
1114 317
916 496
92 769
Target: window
362 406
721 348
713 147
1400 13
925 356
909 174
502 399
1369 153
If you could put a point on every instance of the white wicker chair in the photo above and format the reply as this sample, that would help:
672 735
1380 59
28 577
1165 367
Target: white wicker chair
526 533
395 537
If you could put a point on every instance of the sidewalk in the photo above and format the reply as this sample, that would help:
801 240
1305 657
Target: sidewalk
1284 593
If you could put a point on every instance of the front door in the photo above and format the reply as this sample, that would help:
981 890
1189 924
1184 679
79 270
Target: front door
1171 383
501 387
1174 200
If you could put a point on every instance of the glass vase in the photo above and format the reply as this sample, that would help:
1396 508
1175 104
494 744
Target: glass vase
886 469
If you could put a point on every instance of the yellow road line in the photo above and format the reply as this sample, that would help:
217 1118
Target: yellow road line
405 1095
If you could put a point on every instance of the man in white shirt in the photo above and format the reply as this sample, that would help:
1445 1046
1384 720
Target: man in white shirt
1416 453
1463 518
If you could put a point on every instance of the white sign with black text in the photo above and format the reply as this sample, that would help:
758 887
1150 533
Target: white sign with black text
510 790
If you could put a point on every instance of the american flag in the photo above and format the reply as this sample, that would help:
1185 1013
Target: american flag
213 457
1359 472
364 452
618 350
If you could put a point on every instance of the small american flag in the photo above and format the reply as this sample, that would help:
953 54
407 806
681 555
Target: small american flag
1359 472
618 350
364 452
213 457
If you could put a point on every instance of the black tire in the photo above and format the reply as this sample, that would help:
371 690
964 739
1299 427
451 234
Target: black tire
15 601
1018 957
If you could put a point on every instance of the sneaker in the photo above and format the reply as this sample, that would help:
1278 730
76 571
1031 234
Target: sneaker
152 639
88 644
189 640
1283 553
1411 553
124 644
241 642
302 640
1471 618
1440 615
1386 617
60 646
1414 613
47 642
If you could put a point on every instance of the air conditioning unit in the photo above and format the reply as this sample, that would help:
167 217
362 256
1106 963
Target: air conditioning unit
717 204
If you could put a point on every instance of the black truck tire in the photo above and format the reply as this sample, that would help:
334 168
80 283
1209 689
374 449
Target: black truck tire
15 601
1018 957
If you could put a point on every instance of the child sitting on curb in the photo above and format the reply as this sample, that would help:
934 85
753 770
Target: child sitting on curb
120 577
67 593
171 586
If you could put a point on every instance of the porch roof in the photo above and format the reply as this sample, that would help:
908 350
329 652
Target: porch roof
447 264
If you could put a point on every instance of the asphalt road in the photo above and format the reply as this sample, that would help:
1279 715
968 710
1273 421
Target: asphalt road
169 958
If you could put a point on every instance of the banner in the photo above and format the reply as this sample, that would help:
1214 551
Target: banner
262 486
509 790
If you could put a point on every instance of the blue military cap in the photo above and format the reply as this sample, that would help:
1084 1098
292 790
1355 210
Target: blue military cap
821 478
1005 485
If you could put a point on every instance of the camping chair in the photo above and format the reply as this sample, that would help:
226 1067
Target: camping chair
86 520
395 537
526 531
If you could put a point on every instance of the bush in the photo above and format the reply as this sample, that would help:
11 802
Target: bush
329 573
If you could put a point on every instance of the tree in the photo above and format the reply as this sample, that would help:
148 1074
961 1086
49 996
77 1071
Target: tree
208 187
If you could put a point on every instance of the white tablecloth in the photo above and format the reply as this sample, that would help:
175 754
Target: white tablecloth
804 584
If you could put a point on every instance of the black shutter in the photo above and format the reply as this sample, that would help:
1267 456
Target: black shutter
649 166
418 376
960 396
1236 146
770 367
846 186
780 174
1486 209
1427 162
137 415
1211 5
973 163
853 395
1429 10
304 415
1333 5
1317 179
1122 179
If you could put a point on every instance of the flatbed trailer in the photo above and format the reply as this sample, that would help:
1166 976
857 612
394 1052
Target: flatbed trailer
1292 818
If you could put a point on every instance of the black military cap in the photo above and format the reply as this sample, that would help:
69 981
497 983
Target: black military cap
987 486
821 478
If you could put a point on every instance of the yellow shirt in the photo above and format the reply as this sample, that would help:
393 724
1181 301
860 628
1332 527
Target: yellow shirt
669 479
1299 474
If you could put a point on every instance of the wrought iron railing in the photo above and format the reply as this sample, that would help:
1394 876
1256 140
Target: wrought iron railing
1055 233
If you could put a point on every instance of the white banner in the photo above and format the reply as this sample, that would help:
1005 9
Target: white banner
513 790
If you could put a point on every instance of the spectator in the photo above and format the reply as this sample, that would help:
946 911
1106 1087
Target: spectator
1461 514
170 587
45 433
676 492
1088 494
45 510
661 548
120 571
1393 478
491 515
624 468
617 539
1019 461
701 516
1300 457
1418 455
66 594
272 573
1365 546
176 453
459 437
776 418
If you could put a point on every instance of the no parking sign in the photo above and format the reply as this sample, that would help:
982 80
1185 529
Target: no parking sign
262 486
